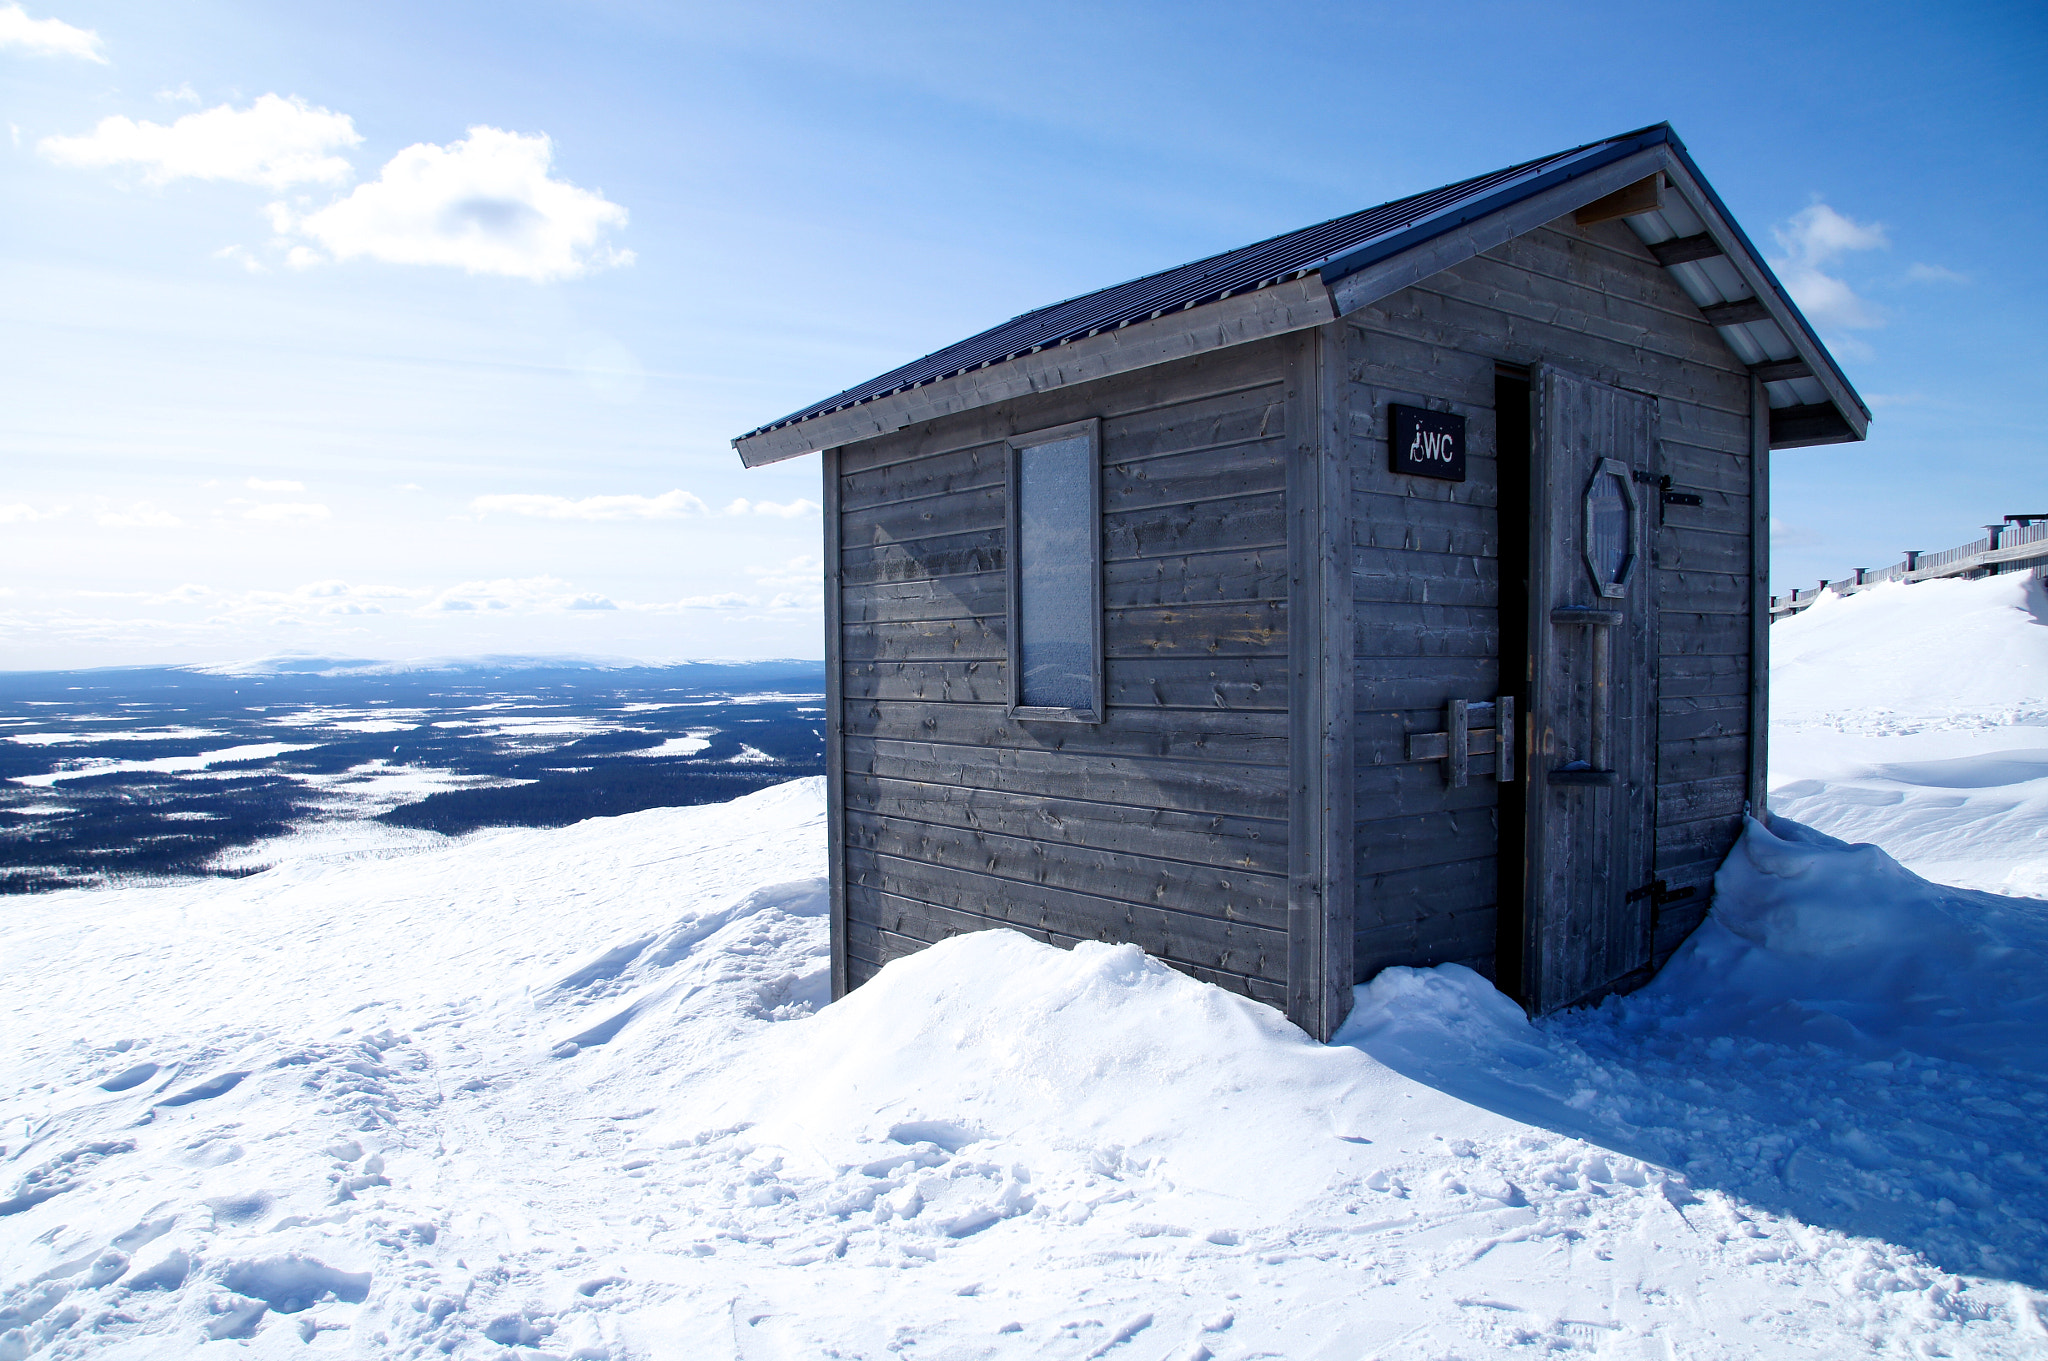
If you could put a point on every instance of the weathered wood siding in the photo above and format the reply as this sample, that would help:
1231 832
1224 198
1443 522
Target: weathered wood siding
1427 571
1166 824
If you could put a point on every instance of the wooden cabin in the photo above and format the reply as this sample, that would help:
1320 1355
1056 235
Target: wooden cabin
1389 592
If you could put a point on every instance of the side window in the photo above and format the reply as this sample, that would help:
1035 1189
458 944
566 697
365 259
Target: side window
1055 568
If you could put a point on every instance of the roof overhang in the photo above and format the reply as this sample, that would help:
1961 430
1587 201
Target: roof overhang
1645 180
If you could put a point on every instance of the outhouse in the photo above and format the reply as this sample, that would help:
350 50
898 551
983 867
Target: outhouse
1390 592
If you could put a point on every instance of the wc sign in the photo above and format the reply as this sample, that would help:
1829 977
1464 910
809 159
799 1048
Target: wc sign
1427 443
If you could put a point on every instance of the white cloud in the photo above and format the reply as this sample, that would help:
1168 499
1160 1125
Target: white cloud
141 515
47 37
1785 535
242 256
486 204
23 513
1815 237
787 510
807 571
275 142
184 94
671 505
284 512
281 484
729 600
1934 274
314 600
523 595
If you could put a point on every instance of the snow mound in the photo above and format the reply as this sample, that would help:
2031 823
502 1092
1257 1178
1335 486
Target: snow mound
1812 939
1897 656
1916 717
575 1093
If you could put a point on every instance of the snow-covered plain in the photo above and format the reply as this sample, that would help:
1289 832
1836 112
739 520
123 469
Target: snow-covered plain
1916 717
575 1092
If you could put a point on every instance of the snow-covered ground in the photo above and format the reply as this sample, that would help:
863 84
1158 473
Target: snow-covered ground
575 1093
1916 717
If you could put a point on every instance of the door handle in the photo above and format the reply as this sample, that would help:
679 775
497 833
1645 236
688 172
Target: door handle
1595 769
1471 728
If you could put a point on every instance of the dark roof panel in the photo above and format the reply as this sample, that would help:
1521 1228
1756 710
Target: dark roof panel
1338 247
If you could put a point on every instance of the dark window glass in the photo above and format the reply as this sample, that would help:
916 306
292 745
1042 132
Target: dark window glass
1056 630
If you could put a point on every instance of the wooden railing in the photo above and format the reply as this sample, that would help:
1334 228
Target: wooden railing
2018 545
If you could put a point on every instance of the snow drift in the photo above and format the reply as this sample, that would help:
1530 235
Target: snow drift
574 1093
1916 717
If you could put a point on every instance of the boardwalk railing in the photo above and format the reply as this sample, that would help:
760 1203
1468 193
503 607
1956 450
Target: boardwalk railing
2018 545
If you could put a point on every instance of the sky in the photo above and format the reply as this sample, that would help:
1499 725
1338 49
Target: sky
390 330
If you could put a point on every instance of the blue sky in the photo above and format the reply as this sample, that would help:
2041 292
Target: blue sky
271 379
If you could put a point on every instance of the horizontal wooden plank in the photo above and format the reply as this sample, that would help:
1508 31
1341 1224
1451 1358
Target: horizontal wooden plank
1219 683
942 922
1219 839
1690 800
1702 758
1704 592
1204 475
1232 628
979 550
1457 937
1142 782
966 596
1679 360
1188 578
1697 468
1709 837
1379 520
1685 718
1426 631
1197 683
1400 576
1394 789
1480 491
1172 888
1426 893
949 473
927 640
1258 520
1686 633
1684 548
1392 364
1381 683
925 518
1206 420
1439 837
1237 946
1177 734
1703 675
935 682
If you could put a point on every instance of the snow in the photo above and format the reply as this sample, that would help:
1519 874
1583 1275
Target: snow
576 1093
591 1104
202 761
1916 717
52 739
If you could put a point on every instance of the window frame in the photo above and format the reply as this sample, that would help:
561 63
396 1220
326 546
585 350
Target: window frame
1013 569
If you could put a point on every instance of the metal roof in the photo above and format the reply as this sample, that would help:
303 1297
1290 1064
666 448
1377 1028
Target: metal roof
1335 250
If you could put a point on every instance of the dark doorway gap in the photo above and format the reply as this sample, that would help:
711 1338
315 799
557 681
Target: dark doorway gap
1513 433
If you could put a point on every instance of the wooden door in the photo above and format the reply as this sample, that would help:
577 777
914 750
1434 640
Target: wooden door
1591 804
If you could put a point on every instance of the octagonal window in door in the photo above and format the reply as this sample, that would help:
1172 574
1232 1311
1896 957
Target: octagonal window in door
1610 527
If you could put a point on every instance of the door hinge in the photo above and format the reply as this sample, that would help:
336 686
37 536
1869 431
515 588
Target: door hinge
1665 495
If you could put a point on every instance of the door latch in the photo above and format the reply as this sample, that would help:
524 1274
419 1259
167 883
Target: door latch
1471 728
1665 495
